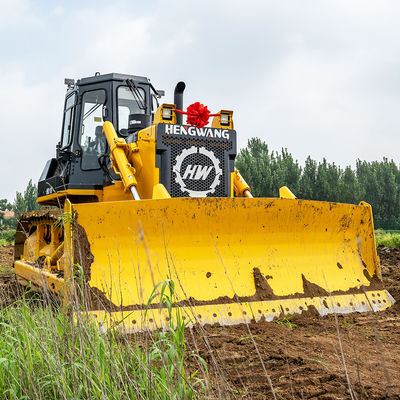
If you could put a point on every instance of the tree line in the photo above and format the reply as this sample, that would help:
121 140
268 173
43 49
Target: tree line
24 201
376 182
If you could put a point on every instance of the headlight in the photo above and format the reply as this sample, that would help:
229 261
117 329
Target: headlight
225 119
167 114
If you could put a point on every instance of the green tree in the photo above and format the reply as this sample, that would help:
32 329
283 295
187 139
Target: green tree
26 201
377 182
387 210
5 205
6 223
255 164
285 172
322 185
267 171
367 177
350 190
308 180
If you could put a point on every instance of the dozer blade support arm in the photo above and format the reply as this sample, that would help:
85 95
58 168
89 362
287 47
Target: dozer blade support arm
119 155
242 189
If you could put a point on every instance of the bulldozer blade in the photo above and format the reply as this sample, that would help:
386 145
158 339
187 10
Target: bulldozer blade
232 260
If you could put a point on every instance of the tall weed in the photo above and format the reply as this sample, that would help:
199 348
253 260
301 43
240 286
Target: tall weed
47 354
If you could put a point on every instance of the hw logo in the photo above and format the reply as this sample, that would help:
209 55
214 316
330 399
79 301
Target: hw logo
197 172
201 165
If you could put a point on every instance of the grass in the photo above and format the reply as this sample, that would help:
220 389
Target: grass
387 238
47 354
286 320
318 361
7 237
5 270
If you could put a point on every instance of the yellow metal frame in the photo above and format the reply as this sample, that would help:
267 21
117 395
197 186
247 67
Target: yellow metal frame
212 246
272 256
58 256
71 192
242 313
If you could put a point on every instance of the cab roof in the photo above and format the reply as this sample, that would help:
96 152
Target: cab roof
111 77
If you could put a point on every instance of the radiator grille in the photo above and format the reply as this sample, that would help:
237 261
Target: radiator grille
195 167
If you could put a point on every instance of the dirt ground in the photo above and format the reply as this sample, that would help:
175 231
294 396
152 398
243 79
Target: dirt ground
9 290
6 256
354 356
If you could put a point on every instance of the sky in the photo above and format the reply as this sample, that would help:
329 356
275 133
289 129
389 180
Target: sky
320 78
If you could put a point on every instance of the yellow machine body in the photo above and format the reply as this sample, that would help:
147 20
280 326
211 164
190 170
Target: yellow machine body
232 259
146 176
211 247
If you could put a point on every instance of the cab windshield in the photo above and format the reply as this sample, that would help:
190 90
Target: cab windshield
129 102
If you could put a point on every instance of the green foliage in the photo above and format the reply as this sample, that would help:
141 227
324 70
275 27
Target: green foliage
23 202
6 223
65 219
170 343
377 183
26 201
350 189
46 354
308 180
7 237
388 239
5 205
266 171
286 321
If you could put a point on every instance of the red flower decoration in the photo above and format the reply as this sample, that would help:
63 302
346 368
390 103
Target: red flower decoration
197 115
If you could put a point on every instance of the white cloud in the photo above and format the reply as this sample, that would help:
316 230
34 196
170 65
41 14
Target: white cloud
319 78
12 12
31 112
58 10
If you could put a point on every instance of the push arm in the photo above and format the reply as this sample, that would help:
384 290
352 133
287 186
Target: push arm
120 154
240 186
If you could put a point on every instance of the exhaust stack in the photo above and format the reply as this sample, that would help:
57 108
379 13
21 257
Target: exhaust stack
178 100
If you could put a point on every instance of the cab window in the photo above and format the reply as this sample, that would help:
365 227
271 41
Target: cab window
68 120
129 102
91 139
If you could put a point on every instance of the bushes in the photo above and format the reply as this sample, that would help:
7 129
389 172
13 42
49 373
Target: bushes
388 239
7 237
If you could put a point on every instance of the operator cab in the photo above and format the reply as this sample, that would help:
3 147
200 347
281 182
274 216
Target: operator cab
128 101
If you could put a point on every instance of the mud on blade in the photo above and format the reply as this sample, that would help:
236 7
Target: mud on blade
233 259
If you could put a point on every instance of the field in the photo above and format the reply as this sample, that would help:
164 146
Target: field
387 238
353 356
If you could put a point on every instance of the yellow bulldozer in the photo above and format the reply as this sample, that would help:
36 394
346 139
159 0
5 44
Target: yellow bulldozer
138 197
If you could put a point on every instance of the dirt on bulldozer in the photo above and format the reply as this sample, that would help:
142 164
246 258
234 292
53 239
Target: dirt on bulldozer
300 357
